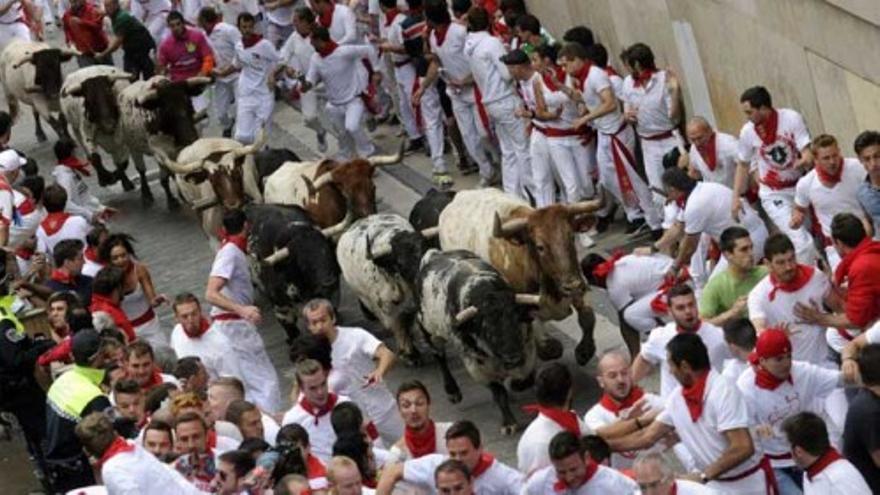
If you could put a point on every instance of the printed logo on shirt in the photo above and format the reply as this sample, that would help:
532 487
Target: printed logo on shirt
782 153
190 47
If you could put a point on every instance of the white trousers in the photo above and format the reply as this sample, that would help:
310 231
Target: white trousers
431 113
473 133
251 114
15 31
260 378
640 316
347 120
779 205
310 103
641 202
554 159
511 133
653 151
222 100
753 484
406 76
278 34
151 331
157 27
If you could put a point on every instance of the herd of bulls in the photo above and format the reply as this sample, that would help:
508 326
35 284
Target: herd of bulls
477 270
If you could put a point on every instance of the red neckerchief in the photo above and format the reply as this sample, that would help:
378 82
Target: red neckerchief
659 304
103 303
76 165
566 419
610 71
118 446
707 152
421 443
251 40
63 277
693 395
827 178
372 431
768 381
211 439
318 411
641 79
91 254
315 468
154 381
440 34
54 221
602 270
548 81
767 129
830 456
26 207
390 14
329 47
239 240
581 75
678 329
24 253
483 465
802 276
204 325
867 245
592 467
326 18
615 407
674 489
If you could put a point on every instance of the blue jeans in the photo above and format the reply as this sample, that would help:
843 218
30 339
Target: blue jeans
789 480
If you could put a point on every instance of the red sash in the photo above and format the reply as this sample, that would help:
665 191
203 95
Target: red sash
417 109
769 476
420 443
482 113
619 153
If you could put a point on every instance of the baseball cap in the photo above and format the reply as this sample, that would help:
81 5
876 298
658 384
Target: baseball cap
10 161
515 57
85 345
772 342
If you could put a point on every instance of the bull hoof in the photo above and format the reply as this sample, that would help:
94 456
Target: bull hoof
105 178
41 137
508 430
454 398
549 349
173 204
584 351
524 384
147 200
127 184
412 359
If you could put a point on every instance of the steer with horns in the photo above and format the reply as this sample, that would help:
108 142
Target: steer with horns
534 251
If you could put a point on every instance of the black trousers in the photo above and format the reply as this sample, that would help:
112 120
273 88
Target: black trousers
138 64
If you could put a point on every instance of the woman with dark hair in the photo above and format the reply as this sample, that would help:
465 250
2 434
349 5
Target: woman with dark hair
139 295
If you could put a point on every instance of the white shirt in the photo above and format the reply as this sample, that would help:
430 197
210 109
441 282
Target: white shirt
807 341
532 450
634 277
321 434
707 211
270 428
7 205
838 478
138 472
733 368
654 351
491 76
79 200
780 156
232 8
74 227
393 32
296 53
598 416
26 227
827 202
604 480
725 160
231 264
13 15
342 72
190 9
653 104
597 81
451 53
498 479
256 63
724 409
282 16
212 349
149 9
343 25
223 39
352 353
771 407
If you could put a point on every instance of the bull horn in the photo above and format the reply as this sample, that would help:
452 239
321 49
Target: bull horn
148 95
528 299
318 183
277 257
75 90
28 59
388 159
204 204
33 89
372 255
334 230
430 232
253 147
198 81
508 228
178 168
584 207
465 315
70 52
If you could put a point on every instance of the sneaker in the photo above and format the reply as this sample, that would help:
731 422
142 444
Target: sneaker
322 142
465 167
417 144
635 225
584 240
442 180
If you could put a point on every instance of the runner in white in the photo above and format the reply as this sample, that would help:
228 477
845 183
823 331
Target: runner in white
58 224
338 19
778 141
152 14
69 173
713 153
194 336
421 435
12 23
10 163
279 20
223 38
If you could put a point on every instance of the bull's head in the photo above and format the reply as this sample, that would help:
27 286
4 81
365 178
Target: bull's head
354 179
497 325
402 255
47 69
549 235
172 108
99 100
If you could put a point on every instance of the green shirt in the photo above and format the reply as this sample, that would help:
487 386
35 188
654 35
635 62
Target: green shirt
724 289
135 37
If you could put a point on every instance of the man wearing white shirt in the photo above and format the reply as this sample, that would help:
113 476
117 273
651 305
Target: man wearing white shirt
776 389
194 336
620 399
12 24
10 163
553 390
58 224
69 174
711 418
655 476
712 156
227 389
421 435
778 140
826 472
363 357
832 187
279 20
495 86
338 19
574 472
464 444
686 320
772 301
152 14
223 38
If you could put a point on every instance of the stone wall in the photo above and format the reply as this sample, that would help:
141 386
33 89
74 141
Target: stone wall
821 57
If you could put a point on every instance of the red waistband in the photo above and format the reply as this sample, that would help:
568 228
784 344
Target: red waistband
658 137
777 185
764 464
226 317
556 132
140 320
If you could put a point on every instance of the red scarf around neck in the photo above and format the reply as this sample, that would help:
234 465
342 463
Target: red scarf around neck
329 47
26 207
827 179
767 129
693 395
54 222
118 446
318 411
251 40
483 465
103 303
768 381
696 329
326 17
581 75
211 440
390 14
592 467
568 420
830 456
315 468
641 79
204 325
659 304
611 404
76 165
421 443
708 152
549 81
610 71
91 254
154 381
239 240
62 277
440 33
602 270
803 275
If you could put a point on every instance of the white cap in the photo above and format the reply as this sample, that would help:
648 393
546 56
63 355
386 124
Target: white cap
10 161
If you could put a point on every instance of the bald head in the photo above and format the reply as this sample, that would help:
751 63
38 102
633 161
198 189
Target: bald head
614 374
698 130
613 358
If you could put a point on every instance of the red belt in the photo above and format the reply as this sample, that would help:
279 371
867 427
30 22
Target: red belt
140 320
769 477
226 317
658 137
556 132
